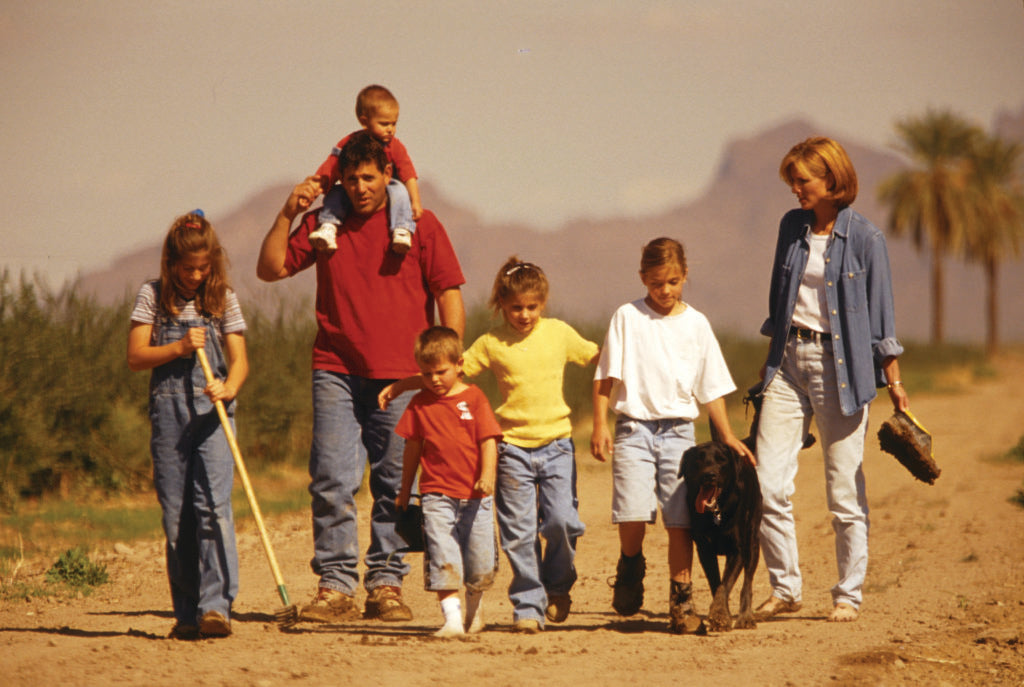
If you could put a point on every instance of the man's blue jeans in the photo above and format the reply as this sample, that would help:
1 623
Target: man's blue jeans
349 430
536 497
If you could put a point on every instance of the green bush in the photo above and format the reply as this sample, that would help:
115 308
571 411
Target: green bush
76 571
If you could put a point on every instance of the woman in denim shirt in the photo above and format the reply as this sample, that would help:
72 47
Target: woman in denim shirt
831 321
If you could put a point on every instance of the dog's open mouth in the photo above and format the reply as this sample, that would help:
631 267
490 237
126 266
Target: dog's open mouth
707 498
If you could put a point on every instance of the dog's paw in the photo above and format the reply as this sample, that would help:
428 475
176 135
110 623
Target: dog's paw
719 621
745 622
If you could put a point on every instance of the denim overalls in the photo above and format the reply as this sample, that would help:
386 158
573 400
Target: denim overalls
193 473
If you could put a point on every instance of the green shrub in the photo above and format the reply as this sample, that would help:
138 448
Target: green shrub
76 571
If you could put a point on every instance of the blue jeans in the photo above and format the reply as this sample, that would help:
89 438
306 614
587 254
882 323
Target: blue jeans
337 207
460 543
536 497
193 472
806 387
349 429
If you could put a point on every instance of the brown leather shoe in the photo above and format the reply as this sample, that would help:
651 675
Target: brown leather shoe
214 624
385 603
558 608
330 606
774 606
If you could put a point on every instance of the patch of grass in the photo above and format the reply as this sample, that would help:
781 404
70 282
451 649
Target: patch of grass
1017 452
75 571
1018 498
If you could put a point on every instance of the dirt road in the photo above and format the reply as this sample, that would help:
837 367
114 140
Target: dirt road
944 602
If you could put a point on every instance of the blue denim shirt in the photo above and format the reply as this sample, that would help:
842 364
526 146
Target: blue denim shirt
858 290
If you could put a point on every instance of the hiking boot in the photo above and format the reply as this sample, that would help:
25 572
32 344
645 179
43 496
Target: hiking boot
184 632
401 241
385 603
324 237
681 617
330 606
214 624
528 626
628 594
558 608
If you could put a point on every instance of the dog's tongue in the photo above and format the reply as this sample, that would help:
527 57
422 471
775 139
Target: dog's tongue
706 498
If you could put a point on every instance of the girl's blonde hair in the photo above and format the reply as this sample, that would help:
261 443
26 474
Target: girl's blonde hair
192 233
516 278
662 251
822 158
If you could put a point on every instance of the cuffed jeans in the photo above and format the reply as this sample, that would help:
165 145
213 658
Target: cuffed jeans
806 387
536 497
349 430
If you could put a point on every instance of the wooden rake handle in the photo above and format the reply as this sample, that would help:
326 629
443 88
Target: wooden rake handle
244 475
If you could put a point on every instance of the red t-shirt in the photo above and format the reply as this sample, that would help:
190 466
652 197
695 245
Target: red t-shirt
371 303
451 429
398 156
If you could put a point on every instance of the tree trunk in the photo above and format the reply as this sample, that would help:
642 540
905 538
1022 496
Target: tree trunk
938 329
992 305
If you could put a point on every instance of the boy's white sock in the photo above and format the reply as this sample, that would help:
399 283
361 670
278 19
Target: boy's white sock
474 611
452 609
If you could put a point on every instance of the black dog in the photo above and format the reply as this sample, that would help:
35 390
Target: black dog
724 500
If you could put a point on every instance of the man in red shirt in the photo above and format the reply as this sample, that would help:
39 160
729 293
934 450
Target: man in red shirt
370 305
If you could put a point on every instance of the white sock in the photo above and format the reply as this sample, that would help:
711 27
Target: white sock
474 612
452 609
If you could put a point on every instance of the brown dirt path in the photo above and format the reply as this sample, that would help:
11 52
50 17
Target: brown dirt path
943 603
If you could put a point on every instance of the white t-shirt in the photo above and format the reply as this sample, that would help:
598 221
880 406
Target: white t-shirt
811 311
662 366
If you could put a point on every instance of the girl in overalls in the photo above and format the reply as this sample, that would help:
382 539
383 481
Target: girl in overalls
190 307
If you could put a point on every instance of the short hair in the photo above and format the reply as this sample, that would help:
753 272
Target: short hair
662 251
516 278
371 99
822 157
362 147
437 344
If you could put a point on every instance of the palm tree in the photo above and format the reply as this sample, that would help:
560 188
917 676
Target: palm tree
996 231
929 201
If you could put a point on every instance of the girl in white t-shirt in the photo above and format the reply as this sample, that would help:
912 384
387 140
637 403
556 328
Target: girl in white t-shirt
659 360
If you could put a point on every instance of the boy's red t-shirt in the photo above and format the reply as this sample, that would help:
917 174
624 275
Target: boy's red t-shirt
401 164
451 429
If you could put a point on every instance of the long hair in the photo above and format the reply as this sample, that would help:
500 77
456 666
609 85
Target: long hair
192 233
516 278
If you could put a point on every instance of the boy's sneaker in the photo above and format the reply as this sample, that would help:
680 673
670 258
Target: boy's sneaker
528 626
401 241
628 587
681 617
214 624
385 603
324 237
558 608
330 606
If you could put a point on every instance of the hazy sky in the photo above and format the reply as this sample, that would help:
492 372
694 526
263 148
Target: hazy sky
118 116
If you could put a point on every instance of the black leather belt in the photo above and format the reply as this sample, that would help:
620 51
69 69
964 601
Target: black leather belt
808 334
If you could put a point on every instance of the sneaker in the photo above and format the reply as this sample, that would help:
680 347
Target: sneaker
528 626
401 241
843 613
774 606
324 237
214 624
558 608
330 606
628 587
681 617
385 603
184 632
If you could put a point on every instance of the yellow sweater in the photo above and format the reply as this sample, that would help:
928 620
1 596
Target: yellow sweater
530 369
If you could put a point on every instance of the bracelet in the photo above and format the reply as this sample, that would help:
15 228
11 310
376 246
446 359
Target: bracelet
892 385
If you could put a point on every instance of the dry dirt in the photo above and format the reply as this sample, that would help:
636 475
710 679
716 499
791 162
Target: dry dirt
944 602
